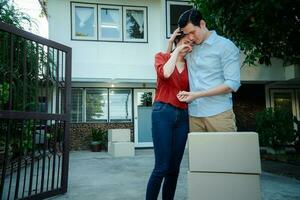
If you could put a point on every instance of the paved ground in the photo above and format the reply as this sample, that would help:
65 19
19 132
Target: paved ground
97 176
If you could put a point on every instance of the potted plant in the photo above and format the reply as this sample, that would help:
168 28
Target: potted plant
96 143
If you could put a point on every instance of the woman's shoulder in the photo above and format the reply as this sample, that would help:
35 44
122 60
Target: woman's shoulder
162 55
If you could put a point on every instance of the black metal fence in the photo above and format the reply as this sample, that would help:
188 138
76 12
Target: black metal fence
35 86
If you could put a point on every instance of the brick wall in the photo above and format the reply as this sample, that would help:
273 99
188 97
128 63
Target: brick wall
81 133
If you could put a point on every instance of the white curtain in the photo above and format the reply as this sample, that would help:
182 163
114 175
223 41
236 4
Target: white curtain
139 18
84 14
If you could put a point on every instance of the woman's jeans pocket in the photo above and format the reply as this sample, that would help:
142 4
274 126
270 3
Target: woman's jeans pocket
158 106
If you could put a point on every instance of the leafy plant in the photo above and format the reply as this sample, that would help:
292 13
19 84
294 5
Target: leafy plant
4 94
261 28
146 99
9 14
297 132
275 127
96 135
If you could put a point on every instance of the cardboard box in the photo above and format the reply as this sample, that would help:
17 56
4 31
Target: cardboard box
121 149
119 135
234 152
222 186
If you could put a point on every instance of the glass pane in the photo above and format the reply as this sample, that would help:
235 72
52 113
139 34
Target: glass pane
120 105
283 100
135 24
144 110
76 104
96 105
110 23
84 21
175 12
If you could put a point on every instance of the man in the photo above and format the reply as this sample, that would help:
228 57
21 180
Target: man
214 73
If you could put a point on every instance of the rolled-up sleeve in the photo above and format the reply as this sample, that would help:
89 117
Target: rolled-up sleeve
160 61
231 66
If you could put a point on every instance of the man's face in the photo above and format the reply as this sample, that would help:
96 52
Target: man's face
195 33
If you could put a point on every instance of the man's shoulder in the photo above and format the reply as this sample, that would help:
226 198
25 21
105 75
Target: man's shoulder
225 41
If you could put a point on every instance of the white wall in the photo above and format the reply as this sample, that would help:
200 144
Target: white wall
263 73
112 60
117 61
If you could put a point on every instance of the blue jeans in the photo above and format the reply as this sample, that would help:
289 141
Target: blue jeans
169 131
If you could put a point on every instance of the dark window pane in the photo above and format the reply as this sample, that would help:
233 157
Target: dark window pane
175 12
76 105
96 105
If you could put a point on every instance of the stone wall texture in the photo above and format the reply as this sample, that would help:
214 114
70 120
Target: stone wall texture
81 133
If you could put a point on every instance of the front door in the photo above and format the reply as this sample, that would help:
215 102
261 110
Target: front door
143 100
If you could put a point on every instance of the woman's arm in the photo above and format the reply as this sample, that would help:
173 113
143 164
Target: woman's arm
171 63
171 40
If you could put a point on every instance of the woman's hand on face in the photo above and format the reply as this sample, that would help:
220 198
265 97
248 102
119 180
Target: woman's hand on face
175 33
184 48
187 97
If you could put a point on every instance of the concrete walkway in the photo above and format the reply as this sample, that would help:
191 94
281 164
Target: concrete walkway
97 176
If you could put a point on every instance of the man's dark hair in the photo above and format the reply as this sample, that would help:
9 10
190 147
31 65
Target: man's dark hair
190 16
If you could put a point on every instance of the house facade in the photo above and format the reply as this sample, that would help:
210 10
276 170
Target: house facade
113 78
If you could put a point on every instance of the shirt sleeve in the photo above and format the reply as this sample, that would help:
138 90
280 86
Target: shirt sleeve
160 61
231 66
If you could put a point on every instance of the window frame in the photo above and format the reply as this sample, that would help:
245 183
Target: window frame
289 91
73 31
97 22
145 10
100 6
168 13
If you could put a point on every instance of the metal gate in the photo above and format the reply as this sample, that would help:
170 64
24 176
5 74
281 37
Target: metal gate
35 87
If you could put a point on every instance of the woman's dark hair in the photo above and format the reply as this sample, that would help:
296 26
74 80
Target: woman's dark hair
190 16
178 37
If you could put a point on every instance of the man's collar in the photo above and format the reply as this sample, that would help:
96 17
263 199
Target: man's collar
211 38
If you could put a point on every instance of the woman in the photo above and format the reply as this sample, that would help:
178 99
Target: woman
169 118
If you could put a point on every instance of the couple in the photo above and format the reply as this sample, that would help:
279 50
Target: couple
209 66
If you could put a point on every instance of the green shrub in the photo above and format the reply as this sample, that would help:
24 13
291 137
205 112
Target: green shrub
275 127
96 135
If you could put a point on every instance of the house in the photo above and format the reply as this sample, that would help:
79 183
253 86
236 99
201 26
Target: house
113 79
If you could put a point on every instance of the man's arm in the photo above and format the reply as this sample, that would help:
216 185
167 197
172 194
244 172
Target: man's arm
190 96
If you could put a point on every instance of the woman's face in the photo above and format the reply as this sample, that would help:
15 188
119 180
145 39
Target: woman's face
185 40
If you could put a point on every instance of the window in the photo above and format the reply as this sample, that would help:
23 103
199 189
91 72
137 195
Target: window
110 23
114 22
284 98
84 18
101 105
76 105
135 28
120 105
174 10
96 105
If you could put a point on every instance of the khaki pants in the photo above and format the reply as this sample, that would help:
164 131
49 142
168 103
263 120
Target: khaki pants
223 122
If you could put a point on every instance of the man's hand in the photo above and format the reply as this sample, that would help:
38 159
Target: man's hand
187 97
